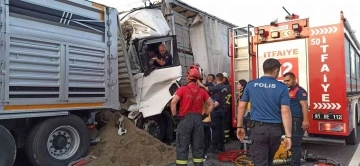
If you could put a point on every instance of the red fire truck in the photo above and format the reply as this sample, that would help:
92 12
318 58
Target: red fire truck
325 60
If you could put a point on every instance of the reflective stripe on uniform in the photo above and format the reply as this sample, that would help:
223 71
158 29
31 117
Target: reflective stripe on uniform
227 135
181 161
198 160
227 99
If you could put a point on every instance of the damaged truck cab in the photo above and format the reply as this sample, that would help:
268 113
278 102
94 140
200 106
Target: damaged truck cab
145 90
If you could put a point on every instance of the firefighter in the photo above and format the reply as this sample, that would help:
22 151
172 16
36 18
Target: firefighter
228 103
299 112
219 91
190 129
270 107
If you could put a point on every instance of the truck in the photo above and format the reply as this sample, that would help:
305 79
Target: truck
197 38
325 60
63 62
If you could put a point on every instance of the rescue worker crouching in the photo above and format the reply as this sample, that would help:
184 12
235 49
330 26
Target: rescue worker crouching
299 112
270 108
219 91
190 129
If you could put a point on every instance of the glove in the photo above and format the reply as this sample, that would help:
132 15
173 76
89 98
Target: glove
205 116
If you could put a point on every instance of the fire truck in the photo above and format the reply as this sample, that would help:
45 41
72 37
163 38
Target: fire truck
325 60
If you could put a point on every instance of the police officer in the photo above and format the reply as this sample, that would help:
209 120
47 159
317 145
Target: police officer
190 129
228 106
270 102
299 112
219 91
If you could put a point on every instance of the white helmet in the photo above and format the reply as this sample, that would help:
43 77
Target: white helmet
226 75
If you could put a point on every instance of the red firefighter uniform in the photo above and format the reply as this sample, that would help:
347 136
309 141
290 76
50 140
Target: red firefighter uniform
190 129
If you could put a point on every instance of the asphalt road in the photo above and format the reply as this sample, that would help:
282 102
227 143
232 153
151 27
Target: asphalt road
341 154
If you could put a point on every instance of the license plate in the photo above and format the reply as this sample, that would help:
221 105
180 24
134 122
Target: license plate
327 116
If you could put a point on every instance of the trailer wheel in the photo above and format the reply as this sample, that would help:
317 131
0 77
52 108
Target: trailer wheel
58 141
7 147
155 126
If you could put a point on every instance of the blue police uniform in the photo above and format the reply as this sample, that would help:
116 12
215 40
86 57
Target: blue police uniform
296 94
266 96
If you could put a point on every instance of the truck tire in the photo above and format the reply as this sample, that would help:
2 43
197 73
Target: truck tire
7 148
357 116
352 138
155 126
58 141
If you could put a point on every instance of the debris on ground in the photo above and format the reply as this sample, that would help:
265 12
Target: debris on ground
82 161
135 148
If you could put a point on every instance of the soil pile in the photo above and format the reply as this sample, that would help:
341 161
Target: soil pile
135 148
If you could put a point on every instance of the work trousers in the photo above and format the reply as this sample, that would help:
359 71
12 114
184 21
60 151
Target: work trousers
296 138
217 127
265 141
227 125
207 137
190 131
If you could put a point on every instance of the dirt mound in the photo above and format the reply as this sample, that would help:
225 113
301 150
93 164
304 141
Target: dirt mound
135 148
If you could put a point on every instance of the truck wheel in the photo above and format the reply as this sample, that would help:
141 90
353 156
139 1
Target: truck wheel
58 141
352 138
357 116
155 126
7 148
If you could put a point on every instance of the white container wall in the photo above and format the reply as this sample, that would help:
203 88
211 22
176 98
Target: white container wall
209 41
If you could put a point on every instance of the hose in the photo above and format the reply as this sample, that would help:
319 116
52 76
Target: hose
236 156
313 157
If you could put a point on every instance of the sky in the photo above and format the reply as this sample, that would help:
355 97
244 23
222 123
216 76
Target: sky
262 12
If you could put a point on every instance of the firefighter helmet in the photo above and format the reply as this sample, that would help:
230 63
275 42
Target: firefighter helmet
198 68
193 74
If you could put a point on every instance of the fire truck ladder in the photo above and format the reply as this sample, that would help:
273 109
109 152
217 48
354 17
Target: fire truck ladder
242 53
242 61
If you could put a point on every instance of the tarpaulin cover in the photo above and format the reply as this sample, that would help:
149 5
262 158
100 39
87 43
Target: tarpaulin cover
209 42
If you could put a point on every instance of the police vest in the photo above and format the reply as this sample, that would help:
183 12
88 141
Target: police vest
292 92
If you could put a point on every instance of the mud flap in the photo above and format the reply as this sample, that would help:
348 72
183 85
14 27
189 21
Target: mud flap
7 147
